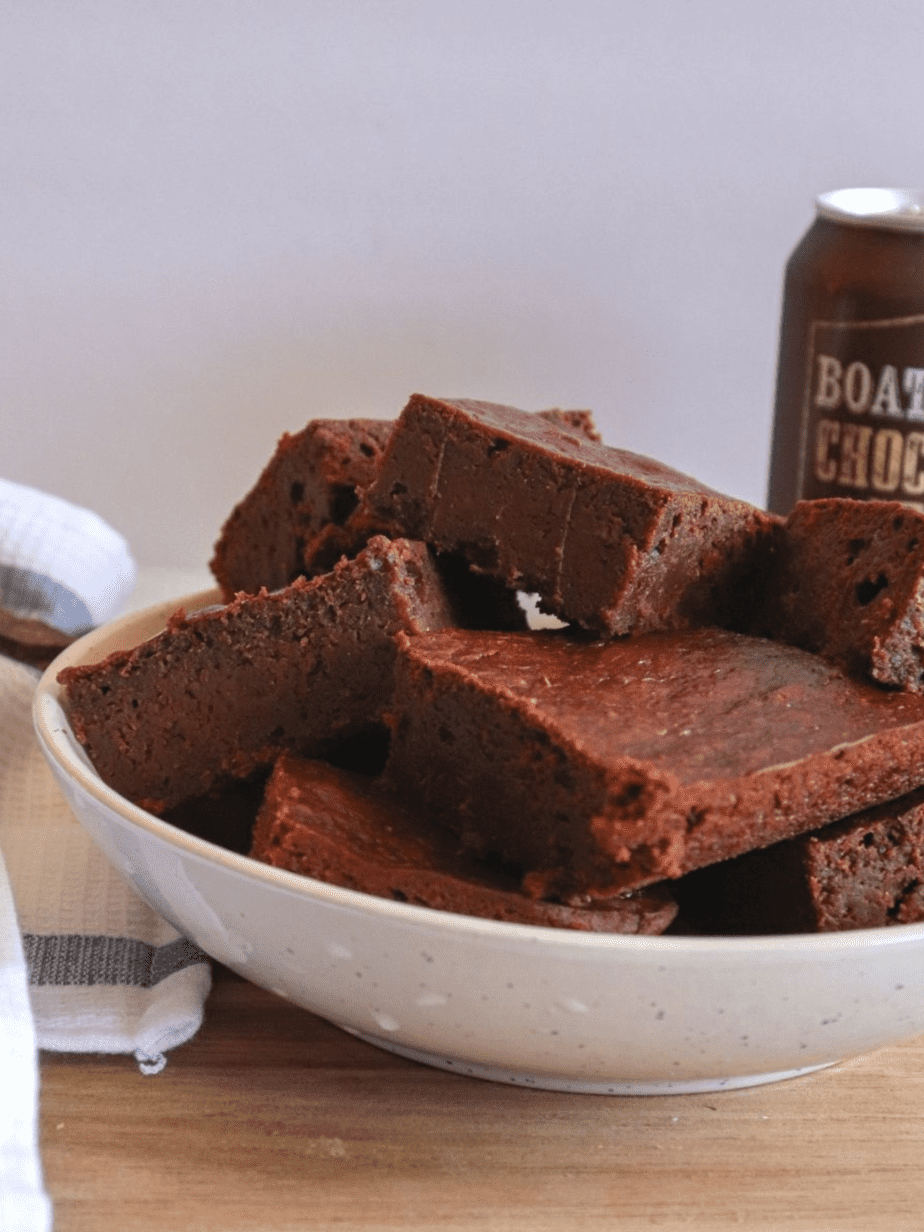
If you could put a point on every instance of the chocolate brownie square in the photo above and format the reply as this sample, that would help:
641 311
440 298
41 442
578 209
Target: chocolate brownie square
220 693
610 540
850 586
343 829
311 481
600 766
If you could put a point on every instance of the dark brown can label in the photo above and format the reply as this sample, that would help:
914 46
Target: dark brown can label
863 411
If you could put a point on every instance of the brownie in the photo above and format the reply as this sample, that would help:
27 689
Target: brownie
310 482
221 693
850 586
336 539
30 640
600 766
866 871
343 829
610 540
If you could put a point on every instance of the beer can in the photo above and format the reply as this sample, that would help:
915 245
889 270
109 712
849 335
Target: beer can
849 415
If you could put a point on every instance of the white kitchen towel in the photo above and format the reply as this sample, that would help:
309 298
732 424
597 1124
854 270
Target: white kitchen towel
24 1206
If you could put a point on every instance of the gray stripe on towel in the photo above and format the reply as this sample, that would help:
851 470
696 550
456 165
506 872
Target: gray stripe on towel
73 958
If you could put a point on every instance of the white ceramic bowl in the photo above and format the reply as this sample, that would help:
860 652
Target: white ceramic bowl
514 1003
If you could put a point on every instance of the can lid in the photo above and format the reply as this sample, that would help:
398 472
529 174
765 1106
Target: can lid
898 209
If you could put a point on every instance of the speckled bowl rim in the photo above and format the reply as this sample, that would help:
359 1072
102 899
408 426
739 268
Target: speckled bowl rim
60 745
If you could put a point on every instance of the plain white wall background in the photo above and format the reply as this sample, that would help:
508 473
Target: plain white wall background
220 219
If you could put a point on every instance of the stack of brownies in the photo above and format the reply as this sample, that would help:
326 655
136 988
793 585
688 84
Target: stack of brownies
723 733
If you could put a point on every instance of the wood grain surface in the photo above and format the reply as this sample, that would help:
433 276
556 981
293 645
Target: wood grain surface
272 1120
